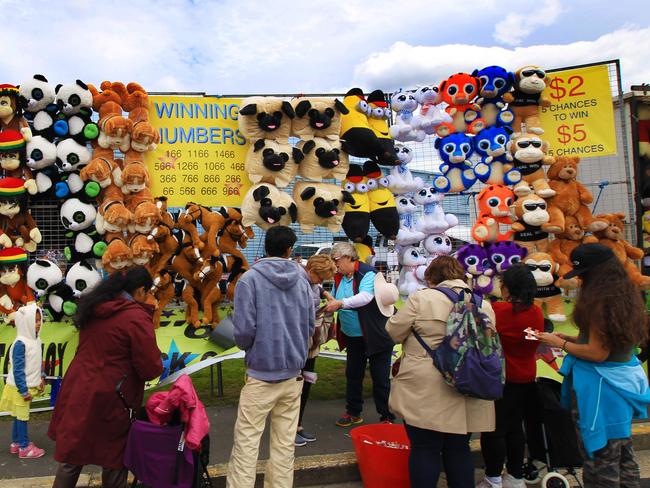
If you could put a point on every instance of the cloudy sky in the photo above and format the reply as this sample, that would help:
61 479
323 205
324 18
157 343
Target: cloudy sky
313 46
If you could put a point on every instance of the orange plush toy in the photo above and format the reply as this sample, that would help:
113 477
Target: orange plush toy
562 247
118 256
135 100
494 204
571 197
612 237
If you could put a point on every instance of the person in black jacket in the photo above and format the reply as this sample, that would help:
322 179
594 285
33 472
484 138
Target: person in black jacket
361 330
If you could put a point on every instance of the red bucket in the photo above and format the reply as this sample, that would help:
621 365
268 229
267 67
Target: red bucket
383 455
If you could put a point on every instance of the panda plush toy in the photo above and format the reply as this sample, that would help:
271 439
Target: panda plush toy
41 156
37 96
78 219
45 278
75 101
81 277
71 158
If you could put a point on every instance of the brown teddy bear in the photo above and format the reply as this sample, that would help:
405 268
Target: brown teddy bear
271 162
571 197
265 118
317 117
612 237
323 159
564 244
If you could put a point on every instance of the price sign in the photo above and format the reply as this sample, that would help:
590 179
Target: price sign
580 120
201 153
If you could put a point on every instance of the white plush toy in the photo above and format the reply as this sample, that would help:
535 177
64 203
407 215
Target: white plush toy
400 179
434 220
431 114
410 259
407 234
404 104
435 245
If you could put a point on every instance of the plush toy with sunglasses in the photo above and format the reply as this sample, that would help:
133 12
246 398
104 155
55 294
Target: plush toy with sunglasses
526 99
529 156
545 269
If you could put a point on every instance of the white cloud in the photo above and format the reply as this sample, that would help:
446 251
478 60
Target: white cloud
516 26
405 66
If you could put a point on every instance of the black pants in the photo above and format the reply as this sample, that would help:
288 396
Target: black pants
310 365
508 440
67 476
355 370
431 449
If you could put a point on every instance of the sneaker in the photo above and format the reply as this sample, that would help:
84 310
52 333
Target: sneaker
13 448
347 420
510 481
386 421
307 436
486 483
299 442
30 452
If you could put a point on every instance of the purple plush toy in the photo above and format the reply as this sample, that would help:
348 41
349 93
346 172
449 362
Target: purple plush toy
474 259
502 255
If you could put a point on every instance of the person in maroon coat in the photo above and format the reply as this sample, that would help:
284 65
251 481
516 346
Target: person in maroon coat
116 340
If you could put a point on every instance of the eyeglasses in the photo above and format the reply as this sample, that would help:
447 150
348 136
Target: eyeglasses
530 72
337 259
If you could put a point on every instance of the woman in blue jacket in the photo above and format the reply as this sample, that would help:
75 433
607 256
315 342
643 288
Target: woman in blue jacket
604 382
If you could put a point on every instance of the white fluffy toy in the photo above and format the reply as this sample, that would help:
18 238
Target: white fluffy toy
407 234
400 179
434 220
431 114
410 259
404 104
435 245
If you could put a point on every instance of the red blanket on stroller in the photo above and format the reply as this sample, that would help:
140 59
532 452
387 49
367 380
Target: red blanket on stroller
182 397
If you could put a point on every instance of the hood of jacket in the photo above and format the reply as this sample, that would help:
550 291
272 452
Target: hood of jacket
281 273
25 319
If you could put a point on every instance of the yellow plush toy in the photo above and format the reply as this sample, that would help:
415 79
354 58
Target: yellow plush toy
356 222
272 162
383 211
323 158
320 205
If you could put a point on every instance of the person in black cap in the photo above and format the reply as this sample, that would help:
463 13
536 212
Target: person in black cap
604 382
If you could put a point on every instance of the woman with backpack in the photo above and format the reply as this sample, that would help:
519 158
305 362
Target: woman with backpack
438 419
604 383
515 314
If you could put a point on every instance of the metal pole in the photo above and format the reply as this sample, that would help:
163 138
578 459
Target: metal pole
212 380
219 380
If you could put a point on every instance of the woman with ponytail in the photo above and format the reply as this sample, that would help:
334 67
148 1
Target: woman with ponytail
116 342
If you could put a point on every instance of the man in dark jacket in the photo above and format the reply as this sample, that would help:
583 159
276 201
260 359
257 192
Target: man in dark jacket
274 319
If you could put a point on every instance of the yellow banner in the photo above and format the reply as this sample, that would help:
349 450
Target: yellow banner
201 153
580 120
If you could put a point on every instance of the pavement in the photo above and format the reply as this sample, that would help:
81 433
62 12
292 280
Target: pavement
330 461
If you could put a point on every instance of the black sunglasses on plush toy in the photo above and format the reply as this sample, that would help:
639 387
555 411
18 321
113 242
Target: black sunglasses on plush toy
542 267
524 144
532 206
531 72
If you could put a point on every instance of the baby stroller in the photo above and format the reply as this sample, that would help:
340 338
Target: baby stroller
551 439
158 455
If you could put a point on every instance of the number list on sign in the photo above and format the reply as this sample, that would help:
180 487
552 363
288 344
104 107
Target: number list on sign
201 153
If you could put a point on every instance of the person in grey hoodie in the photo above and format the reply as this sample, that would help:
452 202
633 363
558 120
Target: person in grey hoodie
273 321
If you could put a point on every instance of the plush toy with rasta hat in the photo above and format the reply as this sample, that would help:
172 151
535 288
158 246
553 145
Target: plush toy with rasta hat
11 113
13 158
18 226
14 291
356 221
383 211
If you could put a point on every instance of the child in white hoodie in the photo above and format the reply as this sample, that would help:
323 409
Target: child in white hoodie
25 379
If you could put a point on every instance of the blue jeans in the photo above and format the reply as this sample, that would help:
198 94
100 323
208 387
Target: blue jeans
431 449
19 433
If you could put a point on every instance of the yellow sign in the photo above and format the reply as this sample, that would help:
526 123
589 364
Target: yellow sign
201 153
580 120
